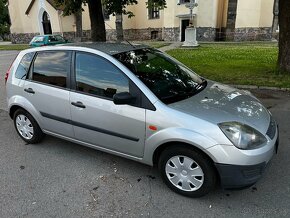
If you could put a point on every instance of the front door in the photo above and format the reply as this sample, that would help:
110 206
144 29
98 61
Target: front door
184 24
95 117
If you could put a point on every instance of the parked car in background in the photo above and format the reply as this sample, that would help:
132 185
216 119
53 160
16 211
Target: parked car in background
45 40
139 103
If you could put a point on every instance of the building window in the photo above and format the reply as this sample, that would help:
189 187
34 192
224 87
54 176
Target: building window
153 13
184 1
154 34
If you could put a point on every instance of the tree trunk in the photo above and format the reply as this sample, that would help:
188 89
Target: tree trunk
79 25
119 27
284 36
98 31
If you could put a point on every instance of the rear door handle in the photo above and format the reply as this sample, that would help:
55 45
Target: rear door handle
78 104
29 90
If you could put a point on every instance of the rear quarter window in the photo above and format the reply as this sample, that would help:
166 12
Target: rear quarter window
24 65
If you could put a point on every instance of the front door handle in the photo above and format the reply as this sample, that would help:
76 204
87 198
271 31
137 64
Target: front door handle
29 90
78 104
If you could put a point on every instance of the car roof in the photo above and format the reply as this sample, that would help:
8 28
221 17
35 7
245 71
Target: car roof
47 35
110 48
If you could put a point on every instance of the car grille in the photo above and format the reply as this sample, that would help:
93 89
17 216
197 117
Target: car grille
271 129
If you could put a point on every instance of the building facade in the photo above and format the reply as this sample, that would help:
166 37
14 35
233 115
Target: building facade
216 20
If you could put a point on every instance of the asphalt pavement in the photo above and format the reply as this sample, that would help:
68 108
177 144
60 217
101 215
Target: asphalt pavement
57 178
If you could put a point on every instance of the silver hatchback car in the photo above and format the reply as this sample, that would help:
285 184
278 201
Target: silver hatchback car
137 102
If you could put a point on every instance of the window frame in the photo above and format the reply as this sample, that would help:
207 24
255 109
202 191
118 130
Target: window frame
29 67
182 2
69 69
73 75
152 11
141 100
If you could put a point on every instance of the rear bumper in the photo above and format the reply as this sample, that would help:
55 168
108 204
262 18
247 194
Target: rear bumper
236 176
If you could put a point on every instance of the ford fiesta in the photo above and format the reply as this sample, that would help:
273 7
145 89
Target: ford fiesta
139 103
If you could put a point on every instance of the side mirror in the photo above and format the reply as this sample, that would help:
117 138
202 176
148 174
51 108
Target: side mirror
66 40
123 98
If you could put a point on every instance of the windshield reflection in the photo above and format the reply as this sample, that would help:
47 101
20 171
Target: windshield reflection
168 79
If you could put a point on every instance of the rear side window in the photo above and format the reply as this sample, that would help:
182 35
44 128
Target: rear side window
97 76
23 66
52 68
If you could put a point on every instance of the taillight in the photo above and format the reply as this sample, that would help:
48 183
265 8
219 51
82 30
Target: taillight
8 72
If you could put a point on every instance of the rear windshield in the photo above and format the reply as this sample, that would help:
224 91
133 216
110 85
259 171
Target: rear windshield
38 39
167 78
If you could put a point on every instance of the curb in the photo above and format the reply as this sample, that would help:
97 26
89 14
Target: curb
260 87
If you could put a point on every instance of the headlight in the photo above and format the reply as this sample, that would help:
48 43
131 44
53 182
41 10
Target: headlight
242 136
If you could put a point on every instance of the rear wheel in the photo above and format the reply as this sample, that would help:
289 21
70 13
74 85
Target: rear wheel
27 127
187 171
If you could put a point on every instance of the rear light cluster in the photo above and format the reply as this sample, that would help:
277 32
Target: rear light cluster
7 75
8 72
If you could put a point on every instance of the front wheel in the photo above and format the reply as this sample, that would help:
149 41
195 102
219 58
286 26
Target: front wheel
187 171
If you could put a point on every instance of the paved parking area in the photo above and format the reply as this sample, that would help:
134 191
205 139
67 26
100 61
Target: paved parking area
62 179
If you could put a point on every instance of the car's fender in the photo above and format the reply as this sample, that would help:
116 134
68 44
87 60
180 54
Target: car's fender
22 102
177 134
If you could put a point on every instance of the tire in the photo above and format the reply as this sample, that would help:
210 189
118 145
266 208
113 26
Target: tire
187 171
27 127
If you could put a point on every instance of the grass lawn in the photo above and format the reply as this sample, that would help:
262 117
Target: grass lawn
235 63
154 44
13 47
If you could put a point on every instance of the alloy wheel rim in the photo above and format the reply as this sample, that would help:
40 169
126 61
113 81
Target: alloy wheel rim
184 173
24 127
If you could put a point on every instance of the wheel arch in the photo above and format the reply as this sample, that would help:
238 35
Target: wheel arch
13 109
158 151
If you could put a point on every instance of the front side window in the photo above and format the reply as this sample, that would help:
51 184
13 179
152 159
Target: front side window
24 65
167 78
51 67
52 39
97 76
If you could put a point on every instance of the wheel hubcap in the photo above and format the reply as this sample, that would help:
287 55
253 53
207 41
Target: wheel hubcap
24 127
184 173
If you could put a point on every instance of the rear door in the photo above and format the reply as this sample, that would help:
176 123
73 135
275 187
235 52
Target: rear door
47 90
95 117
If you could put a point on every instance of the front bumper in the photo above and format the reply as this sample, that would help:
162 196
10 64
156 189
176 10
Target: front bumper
234 176
237 176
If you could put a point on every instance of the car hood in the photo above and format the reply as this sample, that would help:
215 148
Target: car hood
220 103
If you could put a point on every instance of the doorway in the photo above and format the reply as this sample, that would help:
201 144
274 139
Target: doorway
184 24
46 23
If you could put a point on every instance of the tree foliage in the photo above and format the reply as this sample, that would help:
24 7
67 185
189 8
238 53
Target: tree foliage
98 32
119 7
4 19
159 4
70 6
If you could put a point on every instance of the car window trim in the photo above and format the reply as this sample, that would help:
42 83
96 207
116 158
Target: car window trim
28 71
68 80
144 102
98 56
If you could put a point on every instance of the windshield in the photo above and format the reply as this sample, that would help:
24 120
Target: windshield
167 78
